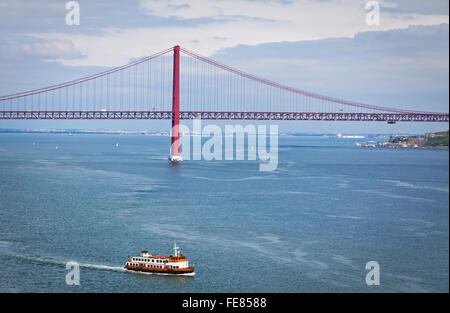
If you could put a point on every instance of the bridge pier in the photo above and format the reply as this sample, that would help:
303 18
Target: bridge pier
175 141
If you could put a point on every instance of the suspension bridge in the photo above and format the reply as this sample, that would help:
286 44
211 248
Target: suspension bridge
177 84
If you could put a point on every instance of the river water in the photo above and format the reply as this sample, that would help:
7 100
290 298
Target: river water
309 226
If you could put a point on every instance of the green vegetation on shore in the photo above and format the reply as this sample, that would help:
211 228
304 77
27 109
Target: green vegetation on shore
439 139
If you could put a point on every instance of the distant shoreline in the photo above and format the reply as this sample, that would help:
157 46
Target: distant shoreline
432 140
164 133
82 132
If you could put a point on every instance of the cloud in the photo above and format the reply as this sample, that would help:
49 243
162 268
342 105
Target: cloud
218 10
405 68
111 33
416 6
17 47
52 49
198 25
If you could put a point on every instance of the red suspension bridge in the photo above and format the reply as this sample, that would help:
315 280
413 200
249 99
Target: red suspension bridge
155 86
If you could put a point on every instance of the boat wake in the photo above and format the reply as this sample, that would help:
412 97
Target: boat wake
103 267
89 265
58 262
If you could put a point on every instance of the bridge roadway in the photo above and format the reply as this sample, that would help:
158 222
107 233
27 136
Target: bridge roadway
189 115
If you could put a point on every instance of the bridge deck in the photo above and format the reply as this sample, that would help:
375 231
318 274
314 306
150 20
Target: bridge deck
189 115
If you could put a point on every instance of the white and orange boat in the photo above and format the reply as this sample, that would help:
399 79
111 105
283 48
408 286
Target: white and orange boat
176 264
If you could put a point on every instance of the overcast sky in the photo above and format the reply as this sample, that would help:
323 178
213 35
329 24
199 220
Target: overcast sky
322 46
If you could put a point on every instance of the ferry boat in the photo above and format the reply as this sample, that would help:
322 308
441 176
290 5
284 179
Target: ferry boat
176 264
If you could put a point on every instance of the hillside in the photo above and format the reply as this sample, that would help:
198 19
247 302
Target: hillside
437 139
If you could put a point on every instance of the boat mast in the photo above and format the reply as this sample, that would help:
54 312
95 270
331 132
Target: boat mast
175 248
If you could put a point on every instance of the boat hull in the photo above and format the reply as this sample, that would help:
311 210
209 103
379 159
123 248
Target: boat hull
183 271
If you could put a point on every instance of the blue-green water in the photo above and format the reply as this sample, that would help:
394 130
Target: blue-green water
310 226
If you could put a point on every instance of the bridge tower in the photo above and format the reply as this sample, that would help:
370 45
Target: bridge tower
175 142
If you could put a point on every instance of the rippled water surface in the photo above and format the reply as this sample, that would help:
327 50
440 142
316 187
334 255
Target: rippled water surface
310 226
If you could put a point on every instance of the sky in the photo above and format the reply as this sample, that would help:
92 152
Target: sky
323 46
